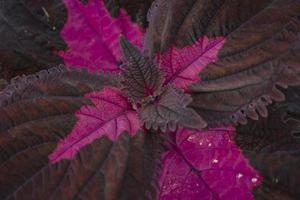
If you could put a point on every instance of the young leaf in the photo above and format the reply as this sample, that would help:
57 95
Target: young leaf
110 115
92 36
182 66
206 165
169 110
142 80
124 169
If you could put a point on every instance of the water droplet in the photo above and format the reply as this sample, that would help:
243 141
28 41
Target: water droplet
191 138
239 175
209 144
254 180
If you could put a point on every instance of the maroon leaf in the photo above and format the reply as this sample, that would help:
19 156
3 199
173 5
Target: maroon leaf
38 111
92 36
29 34
278 132
247 93
110 115
169 110
253 62
206 165
124 169
243 23
272 144
281 172
142 80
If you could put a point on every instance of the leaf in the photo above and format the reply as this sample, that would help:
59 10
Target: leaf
247 93
278 132
55 85
110 115
272 146
206 165
36 111
281 172
92 36
260 53
135 8
141 77
249 26
182 66
169 110
123 169
29 34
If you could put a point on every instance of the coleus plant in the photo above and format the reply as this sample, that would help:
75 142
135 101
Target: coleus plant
146 126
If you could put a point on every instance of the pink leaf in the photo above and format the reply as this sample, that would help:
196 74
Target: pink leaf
206 165
92 36
182 66
110 115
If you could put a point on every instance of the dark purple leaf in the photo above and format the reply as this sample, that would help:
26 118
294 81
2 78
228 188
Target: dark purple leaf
29 35
278 132
244 24
124 169
272 145
260 52
246 94
142 80
170 110
281 172
38 111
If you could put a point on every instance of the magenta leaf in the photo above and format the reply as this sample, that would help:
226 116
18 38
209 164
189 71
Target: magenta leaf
182 66
92 36
142 80
206 165
110 115
169 111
